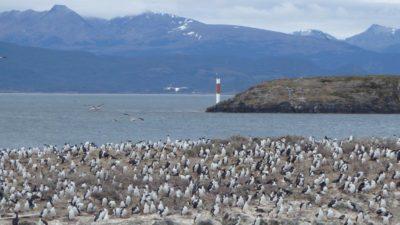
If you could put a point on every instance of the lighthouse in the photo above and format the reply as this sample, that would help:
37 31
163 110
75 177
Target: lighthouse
218 90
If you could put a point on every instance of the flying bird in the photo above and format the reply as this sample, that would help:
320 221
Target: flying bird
95 108
132 118
176 89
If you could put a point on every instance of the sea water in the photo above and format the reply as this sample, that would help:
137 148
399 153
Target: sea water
37 119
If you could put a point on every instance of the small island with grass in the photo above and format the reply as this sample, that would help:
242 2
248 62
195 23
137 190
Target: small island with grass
367 94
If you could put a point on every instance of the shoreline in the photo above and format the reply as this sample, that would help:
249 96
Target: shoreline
111 93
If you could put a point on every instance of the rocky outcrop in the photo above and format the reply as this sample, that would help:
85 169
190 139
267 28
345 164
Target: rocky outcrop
370 94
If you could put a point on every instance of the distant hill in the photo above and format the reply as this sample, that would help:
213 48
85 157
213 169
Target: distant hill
371 94
147 52
30 69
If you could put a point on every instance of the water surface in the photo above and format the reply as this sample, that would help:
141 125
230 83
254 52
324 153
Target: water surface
37 119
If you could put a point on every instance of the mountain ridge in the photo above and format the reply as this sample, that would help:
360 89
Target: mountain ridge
65 29
126 35
314 33
146 52
377 38
62 9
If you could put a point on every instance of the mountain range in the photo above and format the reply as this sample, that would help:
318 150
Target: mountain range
60 51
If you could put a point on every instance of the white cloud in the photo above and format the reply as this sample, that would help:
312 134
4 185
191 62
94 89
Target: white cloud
341 18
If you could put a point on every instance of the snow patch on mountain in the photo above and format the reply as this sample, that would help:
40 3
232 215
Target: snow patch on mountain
314 34
184 24
193 34
184 27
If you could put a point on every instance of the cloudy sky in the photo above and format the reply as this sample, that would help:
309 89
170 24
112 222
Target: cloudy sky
342 18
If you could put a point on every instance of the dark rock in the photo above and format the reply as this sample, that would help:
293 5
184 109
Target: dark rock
318 223
26 223
260 210
273 222
205 222
165 222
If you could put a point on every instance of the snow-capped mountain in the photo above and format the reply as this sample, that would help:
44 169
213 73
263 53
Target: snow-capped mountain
314 33
146 52
62 28
377 38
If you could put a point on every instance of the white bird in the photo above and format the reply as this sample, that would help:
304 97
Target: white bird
317 198
128 200
146 208
124 212
52 212
330 214
245 207
71 213
112 204
176 89
215 210
185 210
320 214
257 221
160 207
95 108
104 202
132 118
165 212
17 207
263 200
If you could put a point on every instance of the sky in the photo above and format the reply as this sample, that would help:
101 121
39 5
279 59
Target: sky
341 18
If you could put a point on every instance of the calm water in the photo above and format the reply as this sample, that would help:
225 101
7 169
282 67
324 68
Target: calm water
37 119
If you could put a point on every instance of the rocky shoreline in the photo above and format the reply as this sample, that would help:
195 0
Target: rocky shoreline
370 94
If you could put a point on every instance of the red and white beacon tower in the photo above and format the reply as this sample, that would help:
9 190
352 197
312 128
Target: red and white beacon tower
218 90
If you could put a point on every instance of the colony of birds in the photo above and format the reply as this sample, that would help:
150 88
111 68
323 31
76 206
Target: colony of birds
288 180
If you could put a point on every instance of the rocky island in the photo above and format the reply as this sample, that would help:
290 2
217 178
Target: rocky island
368 94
